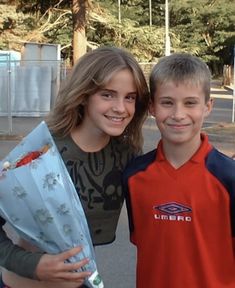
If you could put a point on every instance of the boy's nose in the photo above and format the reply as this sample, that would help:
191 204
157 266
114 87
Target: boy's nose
178 113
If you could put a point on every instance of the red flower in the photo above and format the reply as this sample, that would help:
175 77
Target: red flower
28 158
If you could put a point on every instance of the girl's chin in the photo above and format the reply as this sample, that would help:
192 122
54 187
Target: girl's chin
115 132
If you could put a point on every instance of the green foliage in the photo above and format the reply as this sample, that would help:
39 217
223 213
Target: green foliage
144 42
204 27
41 6
13 27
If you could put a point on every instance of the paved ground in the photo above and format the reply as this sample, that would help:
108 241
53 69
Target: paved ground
116 261
222 135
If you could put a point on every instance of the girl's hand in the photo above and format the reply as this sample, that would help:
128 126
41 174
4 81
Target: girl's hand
53 267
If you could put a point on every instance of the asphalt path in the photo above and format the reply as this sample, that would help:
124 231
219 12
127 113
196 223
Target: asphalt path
116 261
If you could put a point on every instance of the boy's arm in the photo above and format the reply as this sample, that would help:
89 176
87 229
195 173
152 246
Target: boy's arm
16 259
125 188
233 245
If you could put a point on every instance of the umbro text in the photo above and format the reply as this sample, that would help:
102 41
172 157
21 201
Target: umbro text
172 217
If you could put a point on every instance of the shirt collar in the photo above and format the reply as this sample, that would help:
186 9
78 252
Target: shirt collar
198 157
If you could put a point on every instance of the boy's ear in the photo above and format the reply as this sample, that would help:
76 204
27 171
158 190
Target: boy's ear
151 108
209 106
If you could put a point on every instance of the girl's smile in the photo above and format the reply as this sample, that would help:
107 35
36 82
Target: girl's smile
107 112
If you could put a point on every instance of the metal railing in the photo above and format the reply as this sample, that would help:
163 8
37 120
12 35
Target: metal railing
27 88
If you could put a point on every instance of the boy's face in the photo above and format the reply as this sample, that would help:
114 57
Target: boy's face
179 110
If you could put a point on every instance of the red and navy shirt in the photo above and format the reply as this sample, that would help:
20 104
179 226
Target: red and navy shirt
182 221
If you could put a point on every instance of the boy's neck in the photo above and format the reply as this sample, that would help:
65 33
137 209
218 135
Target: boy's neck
178 154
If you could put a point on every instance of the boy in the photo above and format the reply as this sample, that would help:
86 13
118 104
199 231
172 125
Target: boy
181 196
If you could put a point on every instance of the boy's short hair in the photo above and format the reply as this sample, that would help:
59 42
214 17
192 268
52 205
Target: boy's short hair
181 68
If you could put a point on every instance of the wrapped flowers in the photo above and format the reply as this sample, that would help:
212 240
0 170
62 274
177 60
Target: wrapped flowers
39 200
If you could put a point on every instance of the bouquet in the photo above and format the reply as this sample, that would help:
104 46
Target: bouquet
38 199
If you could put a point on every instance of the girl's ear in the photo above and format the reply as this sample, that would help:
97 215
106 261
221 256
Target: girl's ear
151 108
209 106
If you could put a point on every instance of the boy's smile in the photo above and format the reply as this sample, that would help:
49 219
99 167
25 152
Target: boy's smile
179 110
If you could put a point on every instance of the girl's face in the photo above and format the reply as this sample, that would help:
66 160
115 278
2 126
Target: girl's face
179 111
111 109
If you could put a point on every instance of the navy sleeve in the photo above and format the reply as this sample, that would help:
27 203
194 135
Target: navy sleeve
138 164
223 168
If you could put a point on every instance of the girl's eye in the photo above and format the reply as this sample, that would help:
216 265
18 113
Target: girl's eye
106 94
131 97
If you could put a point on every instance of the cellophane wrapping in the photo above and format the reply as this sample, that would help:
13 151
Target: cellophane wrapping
41 203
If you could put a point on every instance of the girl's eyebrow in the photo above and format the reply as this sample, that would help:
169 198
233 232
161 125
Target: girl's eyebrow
108 90
114 91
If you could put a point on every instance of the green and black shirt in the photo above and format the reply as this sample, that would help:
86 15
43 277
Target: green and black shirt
97 179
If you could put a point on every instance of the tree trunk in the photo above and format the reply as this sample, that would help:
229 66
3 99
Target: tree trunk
79 44
79 11
227 75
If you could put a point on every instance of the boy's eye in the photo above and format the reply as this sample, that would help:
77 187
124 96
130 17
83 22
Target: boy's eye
190 103
166 103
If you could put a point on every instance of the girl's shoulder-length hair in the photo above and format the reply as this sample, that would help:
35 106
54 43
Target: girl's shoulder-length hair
91 73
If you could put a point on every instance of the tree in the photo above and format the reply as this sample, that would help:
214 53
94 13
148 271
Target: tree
51 15
205 28
79 12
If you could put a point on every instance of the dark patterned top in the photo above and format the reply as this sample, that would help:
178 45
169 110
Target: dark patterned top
97 178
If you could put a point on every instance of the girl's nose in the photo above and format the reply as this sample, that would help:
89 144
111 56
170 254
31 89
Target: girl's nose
119 106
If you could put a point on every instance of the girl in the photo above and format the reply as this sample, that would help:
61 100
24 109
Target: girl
96 124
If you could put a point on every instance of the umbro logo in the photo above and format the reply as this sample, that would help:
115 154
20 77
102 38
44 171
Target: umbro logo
173 208
172 211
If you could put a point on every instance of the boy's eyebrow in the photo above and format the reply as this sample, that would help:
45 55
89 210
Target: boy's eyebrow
188 97
192 97
165 97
